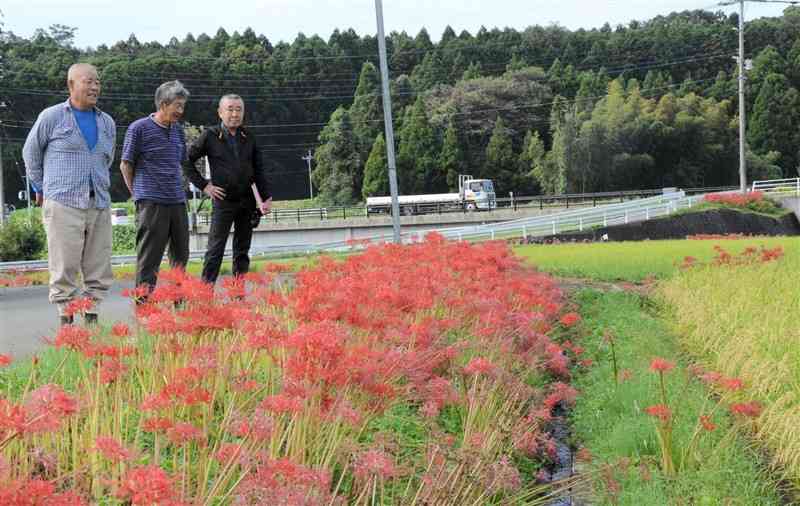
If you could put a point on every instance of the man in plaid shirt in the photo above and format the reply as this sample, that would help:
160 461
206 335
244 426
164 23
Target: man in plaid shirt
67 155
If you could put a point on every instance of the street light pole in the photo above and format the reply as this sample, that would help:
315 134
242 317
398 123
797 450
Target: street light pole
387 120
308 159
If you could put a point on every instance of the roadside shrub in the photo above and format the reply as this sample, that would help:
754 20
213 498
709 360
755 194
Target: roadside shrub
22 241
123 239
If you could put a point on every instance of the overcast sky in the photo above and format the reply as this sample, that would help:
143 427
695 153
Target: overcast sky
106 22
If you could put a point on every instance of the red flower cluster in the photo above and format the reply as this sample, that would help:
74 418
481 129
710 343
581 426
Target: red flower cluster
660 411
734 199
661 365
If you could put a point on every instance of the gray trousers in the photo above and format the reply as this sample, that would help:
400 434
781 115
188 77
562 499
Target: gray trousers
158 225
78 246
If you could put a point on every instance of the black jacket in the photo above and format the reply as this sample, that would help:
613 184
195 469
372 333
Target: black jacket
235 177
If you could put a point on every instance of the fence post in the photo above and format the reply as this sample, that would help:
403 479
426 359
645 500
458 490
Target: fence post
554 227
275 214
580 224
525 232
605 220
646 213
493 234
626 216
541 204
344 212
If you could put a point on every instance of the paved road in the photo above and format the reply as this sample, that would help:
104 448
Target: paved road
26 317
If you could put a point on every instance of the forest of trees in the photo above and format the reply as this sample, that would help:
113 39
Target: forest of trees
543 110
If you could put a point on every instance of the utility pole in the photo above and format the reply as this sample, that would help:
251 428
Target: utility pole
308 159
742 80
742 109
2 188
387 120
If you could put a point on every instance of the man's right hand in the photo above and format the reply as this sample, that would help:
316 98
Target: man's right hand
215 192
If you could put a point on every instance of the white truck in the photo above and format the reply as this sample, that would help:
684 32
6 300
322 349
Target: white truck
473 195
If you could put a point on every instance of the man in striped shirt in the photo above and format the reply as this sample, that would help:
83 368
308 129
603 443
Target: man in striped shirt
152 154
67 155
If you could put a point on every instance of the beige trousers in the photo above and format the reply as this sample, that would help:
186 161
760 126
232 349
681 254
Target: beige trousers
78 244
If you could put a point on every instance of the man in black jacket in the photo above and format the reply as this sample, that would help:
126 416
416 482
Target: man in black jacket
235 162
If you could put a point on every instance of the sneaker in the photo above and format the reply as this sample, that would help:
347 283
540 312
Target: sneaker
90 318
65 320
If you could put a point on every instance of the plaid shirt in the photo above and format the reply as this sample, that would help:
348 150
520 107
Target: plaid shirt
58 159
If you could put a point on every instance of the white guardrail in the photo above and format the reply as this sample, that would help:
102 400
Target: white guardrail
783 186
538 226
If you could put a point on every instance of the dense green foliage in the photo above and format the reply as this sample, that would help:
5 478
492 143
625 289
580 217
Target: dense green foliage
668 119
22 240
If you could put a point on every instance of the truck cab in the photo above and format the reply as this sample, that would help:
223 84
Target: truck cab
476 194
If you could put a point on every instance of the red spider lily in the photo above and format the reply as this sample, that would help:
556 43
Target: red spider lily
661 365
480 365
111 449
281 404
183 433
156 402
156 424
660 411
707 424
78 306
731 384
111 370
735 199
229 452
750 409
561 392
570 319
284 482
73 337
136 293
437 392
5 360
13 419
196 396
374 463
120 330
146 485
243 383
162 322
770 255
47 406
688 262
259 426
710 377
35 492
234 287
344 411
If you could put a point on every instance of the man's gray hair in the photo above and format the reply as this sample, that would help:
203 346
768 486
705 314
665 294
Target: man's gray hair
170 92
230 96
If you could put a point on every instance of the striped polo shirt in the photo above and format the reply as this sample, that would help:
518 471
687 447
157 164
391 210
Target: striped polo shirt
156 153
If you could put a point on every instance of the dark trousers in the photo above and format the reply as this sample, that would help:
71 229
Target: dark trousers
156 226
223 216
